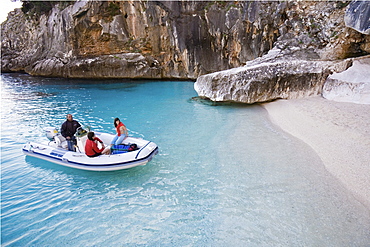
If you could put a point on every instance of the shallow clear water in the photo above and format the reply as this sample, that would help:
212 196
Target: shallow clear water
224 175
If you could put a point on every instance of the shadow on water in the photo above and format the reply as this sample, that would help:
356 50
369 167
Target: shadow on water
24 81
207 101
28 79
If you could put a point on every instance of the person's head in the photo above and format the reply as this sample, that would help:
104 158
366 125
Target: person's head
116 122
69 117
91 135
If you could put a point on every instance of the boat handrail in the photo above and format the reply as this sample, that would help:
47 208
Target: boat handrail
141 149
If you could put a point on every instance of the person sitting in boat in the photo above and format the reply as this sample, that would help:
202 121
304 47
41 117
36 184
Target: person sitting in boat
68 131
91 146
121 132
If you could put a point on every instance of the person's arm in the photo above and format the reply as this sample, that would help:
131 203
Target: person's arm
75 126
97 139
123 130
63 130
96 149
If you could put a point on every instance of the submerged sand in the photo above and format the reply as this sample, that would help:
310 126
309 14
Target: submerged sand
338 132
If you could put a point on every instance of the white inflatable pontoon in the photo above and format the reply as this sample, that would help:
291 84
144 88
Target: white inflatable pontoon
56 151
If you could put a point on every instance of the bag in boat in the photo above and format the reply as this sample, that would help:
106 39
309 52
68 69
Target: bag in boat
123 148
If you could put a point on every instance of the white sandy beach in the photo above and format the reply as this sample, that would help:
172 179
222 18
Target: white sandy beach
338 132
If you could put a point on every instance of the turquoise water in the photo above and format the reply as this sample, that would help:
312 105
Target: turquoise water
224 175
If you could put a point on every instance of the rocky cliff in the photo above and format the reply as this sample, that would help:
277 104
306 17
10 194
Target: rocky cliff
139 39
188 39
320 39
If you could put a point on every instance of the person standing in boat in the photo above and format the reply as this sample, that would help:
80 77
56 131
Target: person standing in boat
68 130
121 132
91 146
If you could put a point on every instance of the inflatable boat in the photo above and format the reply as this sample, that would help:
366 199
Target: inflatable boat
56 151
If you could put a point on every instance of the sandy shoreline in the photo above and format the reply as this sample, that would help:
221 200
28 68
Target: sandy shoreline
338 132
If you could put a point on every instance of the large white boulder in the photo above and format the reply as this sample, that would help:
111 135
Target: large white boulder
351 85
267 79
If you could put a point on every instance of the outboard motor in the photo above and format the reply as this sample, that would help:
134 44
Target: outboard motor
50 133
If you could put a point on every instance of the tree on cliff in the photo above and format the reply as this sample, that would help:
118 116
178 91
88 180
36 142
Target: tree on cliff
37 8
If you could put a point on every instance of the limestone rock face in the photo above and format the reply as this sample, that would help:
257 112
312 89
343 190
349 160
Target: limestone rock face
351 85
127 65
264 50
305 54
268 79
357 16
171 39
